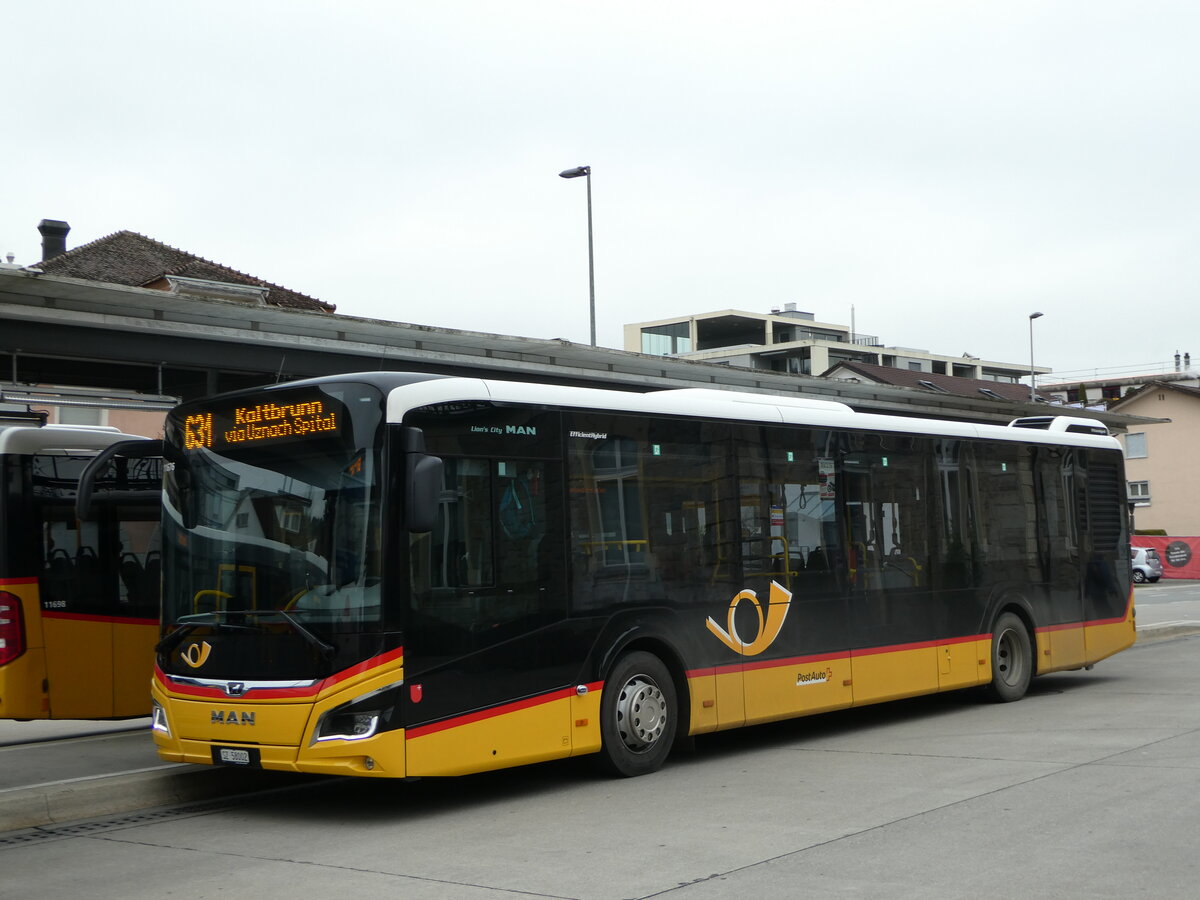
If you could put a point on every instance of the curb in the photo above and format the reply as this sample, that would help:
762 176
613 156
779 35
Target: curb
108 795
1164 630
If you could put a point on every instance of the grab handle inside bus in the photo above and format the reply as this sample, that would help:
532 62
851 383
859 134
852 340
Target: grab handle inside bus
136 449
422 482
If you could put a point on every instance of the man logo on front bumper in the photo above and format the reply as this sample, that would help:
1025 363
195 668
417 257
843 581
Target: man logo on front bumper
233 717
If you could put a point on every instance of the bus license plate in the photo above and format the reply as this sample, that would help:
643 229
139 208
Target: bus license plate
236 756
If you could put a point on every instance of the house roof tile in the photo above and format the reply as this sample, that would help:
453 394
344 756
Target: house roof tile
129 258
928 381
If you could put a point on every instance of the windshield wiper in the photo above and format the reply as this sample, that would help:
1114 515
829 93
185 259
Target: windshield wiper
188 624
327 650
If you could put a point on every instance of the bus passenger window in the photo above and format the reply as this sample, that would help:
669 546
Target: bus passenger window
788 515
652 515
138 568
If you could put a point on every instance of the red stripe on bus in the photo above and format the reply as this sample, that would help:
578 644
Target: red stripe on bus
374 662
111 620
1067 626
766 664
492 712
919 645
33 580
1090 623
825 657
793 661
209 693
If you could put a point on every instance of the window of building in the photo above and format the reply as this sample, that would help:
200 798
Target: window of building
80 415
914 367
1135 445
663 340
1139 492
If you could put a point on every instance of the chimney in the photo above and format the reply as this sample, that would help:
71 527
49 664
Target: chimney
54 237
1176 360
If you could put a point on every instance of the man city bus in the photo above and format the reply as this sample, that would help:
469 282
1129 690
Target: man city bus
406 575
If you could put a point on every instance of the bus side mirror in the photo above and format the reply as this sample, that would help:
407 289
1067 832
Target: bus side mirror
424 489
422 483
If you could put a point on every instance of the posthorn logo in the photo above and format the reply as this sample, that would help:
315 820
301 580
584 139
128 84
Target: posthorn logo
769 624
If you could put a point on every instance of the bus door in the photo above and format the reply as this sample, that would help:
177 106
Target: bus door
893 615
790 619
489 659
1063 509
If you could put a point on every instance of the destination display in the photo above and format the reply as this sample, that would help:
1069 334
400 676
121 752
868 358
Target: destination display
260 423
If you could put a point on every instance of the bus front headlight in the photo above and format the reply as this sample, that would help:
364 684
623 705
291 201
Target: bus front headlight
158 721
359 719
347 726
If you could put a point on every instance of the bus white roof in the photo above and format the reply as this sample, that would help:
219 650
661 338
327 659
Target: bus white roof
720 404
28 439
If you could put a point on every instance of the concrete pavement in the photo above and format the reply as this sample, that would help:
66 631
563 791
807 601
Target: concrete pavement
57 772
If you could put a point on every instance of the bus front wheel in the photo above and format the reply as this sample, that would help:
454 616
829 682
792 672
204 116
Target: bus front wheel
638 715
1012 659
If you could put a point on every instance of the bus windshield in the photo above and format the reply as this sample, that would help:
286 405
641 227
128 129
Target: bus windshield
271 511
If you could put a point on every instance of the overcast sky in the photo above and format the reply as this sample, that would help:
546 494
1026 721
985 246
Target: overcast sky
944 168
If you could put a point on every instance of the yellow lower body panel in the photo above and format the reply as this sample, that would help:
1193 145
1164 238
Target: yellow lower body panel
894 674
796 688
964 664
1105 638
22 693
510 736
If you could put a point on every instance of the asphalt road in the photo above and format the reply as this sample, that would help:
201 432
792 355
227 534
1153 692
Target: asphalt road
1084 789
1175 603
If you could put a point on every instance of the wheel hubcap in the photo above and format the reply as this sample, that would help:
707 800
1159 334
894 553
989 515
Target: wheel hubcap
1009 661
641 713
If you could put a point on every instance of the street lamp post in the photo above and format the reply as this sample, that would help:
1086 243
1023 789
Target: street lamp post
586 172
1032 373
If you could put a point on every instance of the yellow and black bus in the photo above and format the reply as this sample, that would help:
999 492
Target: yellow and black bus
410 575
78 599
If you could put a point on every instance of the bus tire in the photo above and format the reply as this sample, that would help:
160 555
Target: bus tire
1012 659
639 716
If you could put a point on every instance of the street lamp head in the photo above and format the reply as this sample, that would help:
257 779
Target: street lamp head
1036 315
575 172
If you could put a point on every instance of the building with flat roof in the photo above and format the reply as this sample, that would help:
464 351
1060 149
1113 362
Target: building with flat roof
792 341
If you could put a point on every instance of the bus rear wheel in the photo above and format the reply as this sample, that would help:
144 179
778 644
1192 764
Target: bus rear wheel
1012 659
639 716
